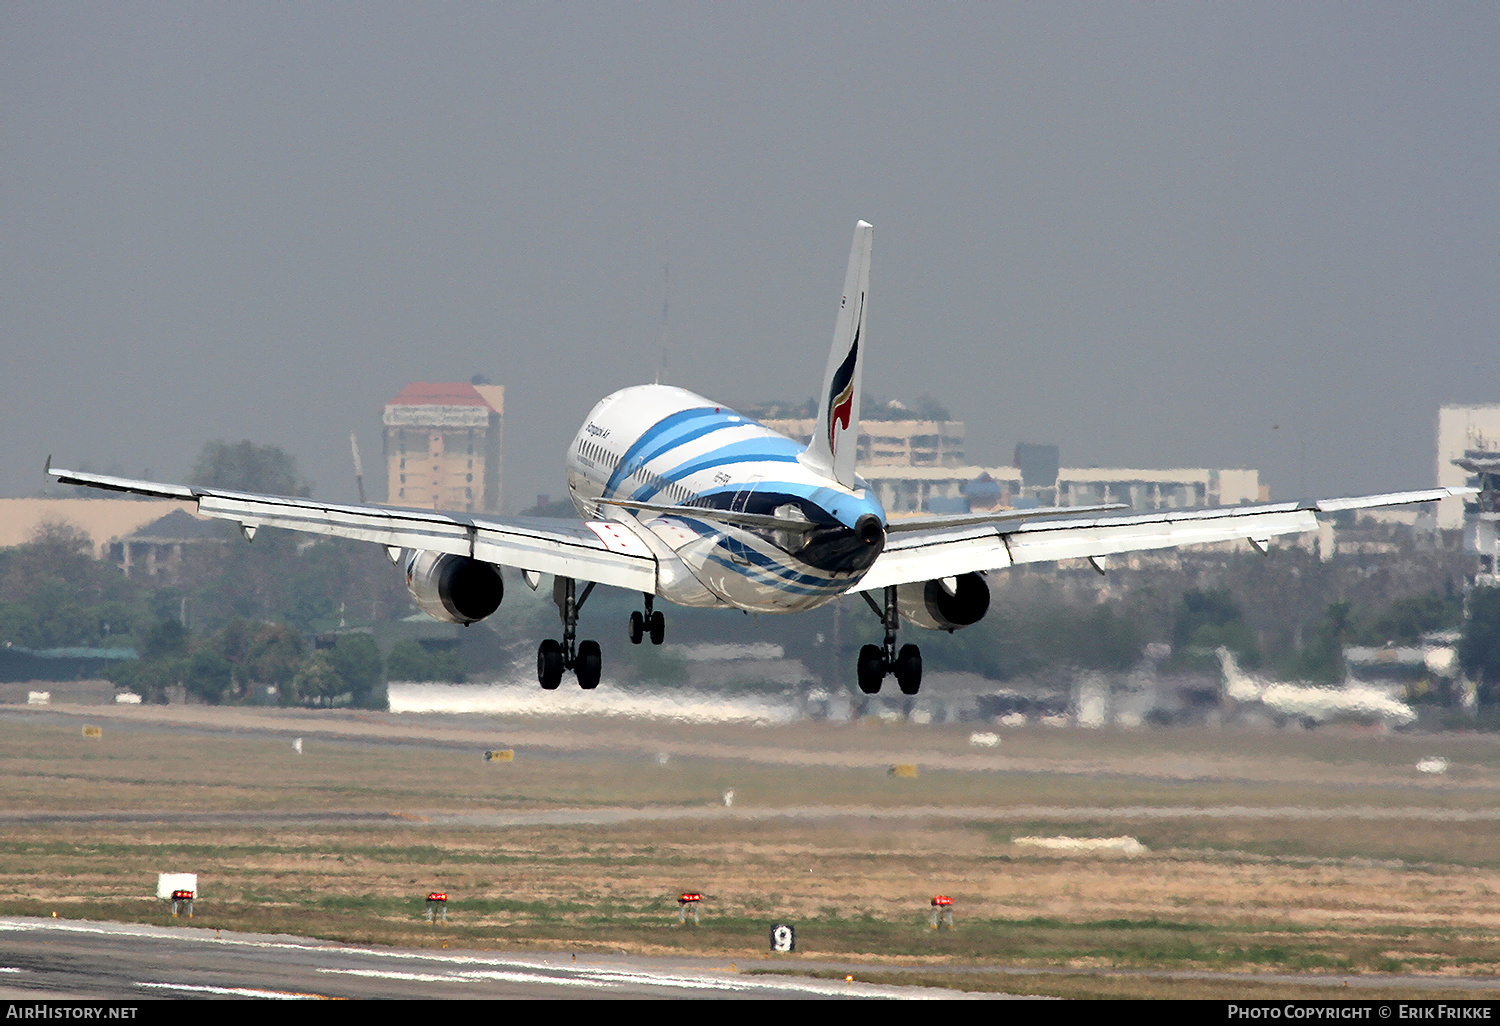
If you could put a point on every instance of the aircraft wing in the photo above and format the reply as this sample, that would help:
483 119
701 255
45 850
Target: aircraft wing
593 550
914 556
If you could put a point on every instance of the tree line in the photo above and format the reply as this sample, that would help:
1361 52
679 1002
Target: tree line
238 616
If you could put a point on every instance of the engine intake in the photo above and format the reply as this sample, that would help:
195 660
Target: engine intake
946 603
454 589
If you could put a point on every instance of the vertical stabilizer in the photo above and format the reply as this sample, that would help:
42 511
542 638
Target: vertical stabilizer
1237 684
835 440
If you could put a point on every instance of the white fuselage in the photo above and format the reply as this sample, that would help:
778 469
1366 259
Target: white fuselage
667 446
1311 702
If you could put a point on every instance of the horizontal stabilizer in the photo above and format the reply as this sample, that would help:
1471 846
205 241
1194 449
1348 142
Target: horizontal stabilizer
727 516
1003 516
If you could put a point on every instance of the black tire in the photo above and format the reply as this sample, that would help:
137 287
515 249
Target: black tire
658 628
870 669
637 627
549 664
909 669
589 665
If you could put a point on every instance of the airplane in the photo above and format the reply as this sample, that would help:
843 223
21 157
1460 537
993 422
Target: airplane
685 500
1310 703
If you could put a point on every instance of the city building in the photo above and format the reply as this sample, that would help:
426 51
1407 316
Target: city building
104 521
894 443
1481 523
910 490
1462 432
919 466
442 446
159 548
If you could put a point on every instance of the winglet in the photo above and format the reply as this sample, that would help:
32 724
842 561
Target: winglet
835 440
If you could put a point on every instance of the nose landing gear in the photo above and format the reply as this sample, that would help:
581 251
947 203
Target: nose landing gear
876 661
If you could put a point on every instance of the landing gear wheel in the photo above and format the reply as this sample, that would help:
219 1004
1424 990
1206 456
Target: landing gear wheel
637 627
658 628
909 669
870 669
588 665
549 664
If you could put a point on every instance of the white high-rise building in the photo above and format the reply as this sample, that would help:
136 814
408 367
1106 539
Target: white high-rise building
1462 429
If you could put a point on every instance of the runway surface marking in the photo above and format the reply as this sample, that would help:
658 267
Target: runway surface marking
472 976
245 992
535 970
587 977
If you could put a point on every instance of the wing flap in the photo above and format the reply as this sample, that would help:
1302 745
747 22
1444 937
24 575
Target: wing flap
727 516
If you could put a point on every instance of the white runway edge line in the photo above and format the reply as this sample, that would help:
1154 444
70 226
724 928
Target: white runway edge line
245 992
532 972
462 976
582 977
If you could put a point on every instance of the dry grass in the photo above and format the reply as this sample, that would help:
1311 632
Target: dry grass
1144 987
1239 894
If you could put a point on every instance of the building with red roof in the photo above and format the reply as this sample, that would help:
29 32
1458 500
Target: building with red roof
443 445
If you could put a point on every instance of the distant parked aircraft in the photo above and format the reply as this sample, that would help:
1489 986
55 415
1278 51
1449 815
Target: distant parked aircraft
1311 704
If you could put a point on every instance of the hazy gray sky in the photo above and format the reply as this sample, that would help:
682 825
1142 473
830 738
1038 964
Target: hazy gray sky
1156 234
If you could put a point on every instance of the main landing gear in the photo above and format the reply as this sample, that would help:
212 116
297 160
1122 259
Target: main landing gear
648 622
876 661
554 658
582 657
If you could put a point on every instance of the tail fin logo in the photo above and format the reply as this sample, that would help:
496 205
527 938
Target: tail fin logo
841 395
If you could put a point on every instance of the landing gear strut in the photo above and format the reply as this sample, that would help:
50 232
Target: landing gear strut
876 661
648 622
582 657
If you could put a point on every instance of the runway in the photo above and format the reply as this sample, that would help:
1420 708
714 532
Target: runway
49 959
805 746
66 959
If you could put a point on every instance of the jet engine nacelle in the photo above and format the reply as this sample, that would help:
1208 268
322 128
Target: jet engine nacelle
945 604
455 589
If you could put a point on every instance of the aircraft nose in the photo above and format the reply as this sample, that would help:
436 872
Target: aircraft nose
869 529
